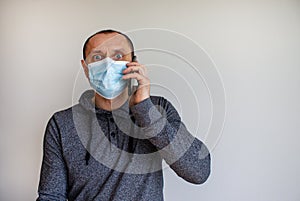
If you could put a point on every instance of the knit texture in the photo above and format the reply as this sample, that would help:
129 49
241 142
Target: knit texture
93 154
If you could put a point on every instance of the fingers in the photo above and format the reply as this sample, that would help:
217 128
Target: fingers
135 67
136 71
133 64
142 80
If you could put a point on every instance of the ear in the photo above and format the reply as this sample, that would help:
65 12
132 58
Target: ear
85 68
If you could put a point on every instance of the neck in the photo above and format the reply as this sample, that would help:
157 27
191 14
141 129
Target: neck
110 104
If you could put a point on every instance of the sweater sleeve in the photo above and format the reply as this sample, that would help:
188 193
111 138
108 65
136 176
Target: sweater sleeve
185 154
53 176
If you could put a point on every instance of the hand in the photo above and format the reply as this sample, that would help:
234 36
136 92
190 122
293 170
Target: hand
137 71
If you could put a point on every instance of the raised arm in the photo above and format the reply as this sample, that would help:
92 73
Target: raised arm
185 154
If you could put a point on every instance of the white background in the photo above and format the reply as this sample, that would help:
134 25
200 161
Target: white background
255 44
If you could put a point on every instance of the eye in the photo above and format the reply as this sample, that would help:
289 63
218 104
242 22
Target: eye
97 57
118 56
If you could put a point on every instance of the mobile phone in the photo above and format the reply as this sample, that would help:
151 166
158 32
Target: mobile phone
133 84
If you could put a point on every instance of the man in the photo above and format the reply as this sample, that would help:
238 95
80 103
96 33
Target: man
110 145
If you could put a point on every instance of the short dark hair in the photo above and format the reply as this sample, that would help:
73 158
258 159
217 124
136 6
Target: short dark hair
108 31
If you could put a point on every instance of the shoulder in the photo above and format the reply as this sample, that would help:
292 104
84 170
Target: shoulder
65 116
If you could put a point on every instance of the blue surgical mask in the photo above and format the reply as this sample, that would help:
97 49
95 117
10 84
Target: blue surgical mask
106 77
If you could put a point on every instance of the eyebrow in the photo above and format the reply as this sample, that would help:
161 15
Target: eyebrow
96 51
114 50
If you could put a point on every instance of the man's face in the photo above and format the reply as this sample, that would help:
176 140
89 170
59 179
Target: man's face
111 45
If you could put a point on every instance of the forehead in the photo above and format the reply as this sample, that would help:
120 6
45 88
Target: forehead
106 41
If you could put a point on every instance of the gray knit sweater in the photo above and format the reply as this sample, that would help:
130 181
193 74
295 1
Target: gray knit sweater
94 154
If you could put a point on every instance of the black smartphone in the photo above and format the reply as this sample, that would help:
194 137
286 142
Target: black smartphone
133 84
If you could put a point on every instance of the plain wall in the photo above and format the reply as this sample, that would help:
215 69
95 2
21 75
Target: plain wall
254 44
